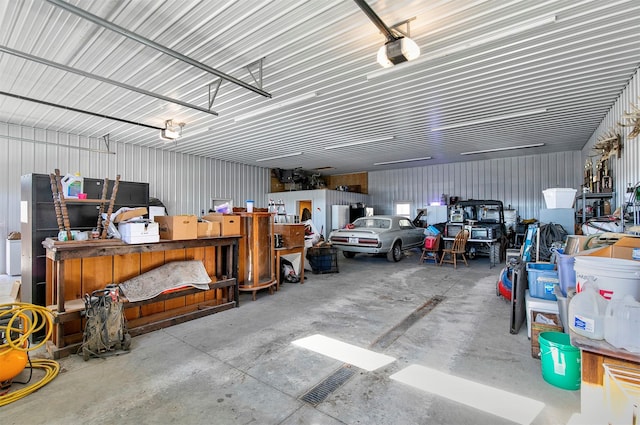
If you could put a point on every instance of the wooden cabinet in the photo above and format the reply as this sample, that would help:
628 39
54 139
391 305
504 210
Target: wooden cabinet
604 393
256 252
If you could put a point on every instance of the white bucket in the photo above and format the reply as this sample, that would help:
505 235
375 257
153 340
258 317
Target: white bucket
615 277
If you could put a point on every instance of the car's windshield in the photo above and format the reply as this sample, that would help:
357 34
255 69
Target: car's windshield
372 223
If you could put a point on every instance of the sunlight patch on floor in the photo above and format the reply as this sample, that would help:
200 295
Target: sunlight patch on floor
497 402
348 353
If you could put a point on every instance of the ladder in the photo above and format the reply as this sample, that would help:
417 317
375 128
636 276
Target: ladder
60 204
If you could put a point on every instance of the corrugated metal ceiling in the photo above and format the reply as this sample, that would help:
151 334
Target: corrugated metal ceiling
480 59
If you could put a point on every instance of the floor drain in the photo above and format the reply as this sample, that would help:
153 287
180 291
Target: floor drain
321 391
394 333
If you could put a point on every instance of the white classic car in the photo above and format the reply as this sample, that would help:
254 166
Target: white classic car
378 234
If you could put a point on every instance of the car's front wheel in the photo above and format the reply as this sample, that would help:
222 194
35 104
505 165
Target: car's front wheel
395 253
348 254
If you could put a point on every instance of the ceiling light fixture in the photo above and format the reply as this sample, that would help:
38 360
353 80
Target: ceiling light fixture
424 158
360 142
399 47
473 42
171 131
510 148
490 119
286 155
274 106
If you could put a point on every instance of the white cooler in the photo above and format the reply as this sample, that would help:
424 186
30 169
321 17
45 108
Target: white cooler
540 305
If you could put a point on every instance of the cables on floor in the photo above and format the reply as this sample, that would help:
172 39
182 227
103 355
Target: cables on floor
22 320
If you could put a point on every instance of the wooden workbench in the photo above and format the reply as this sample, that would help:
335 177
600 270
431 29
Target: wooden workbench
77 268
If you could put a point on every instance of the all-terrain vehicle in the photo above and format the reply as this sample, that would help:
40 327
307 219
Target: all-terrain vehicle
485 220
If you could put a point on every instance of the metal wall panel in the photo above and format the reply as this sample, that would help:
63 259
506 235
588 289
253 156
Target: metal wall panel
517 182
184 183
321 201
626 169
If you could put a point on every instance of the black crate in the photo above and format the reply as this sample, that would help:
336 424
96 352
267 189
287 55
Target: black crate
323 259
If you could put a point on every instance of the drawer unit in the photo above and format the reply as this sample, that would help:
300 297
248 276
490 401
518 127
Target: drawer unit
292 234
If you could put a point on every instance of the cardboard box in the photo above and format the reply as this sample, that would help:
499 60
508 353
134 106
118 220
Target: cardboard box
623 249
132 213
156 211
139 232
292 234
178 227
208 229
229 224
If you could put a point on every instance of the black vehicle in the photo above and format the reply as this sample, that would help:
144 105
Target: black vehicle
485 218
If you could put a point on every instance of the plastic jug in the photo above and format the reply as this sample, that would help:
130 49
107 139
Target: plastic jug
621 323
72 185
586 312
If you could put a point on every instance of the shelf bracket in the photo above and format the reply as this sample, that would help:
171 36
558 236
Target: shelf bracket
107 140
212 97
256 66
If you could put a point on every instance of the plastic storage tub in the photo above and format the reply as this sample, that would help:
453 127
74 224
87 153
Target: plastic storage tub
559 197
542 278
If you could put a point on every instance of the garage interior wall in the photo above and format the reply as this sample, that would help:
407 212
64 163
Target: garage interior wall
626 170
185 184
517 182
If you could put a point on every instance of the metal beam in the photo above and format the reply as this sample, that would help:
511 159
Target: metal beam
42 142
103 79
384 29
69 108
150 43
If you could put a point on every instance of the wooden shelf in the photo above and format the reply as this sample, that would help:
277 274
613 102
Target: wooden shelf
86 201
80 267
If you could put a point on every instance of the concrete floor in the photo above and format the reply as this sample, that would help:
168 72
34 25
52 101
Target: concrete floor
240 367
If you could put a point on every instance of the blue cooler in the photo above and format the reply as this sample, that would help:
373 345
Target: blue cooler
542 279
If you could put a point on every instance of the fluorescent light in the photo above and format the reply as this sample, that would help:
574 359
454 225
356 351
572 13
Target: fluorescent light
274 106
286 155
490 119
472 42
511 148
360 142
402 160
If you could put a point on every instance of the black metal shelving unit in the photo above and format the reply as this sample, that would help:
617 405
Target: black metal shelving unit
38 222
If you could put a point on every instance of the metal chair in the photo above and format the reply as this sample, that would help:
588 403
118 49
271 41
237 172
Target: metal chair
431 252
458 248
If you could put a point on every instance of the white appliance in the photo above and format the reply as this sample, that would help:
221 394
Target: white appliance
339 216
436 214
14 257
